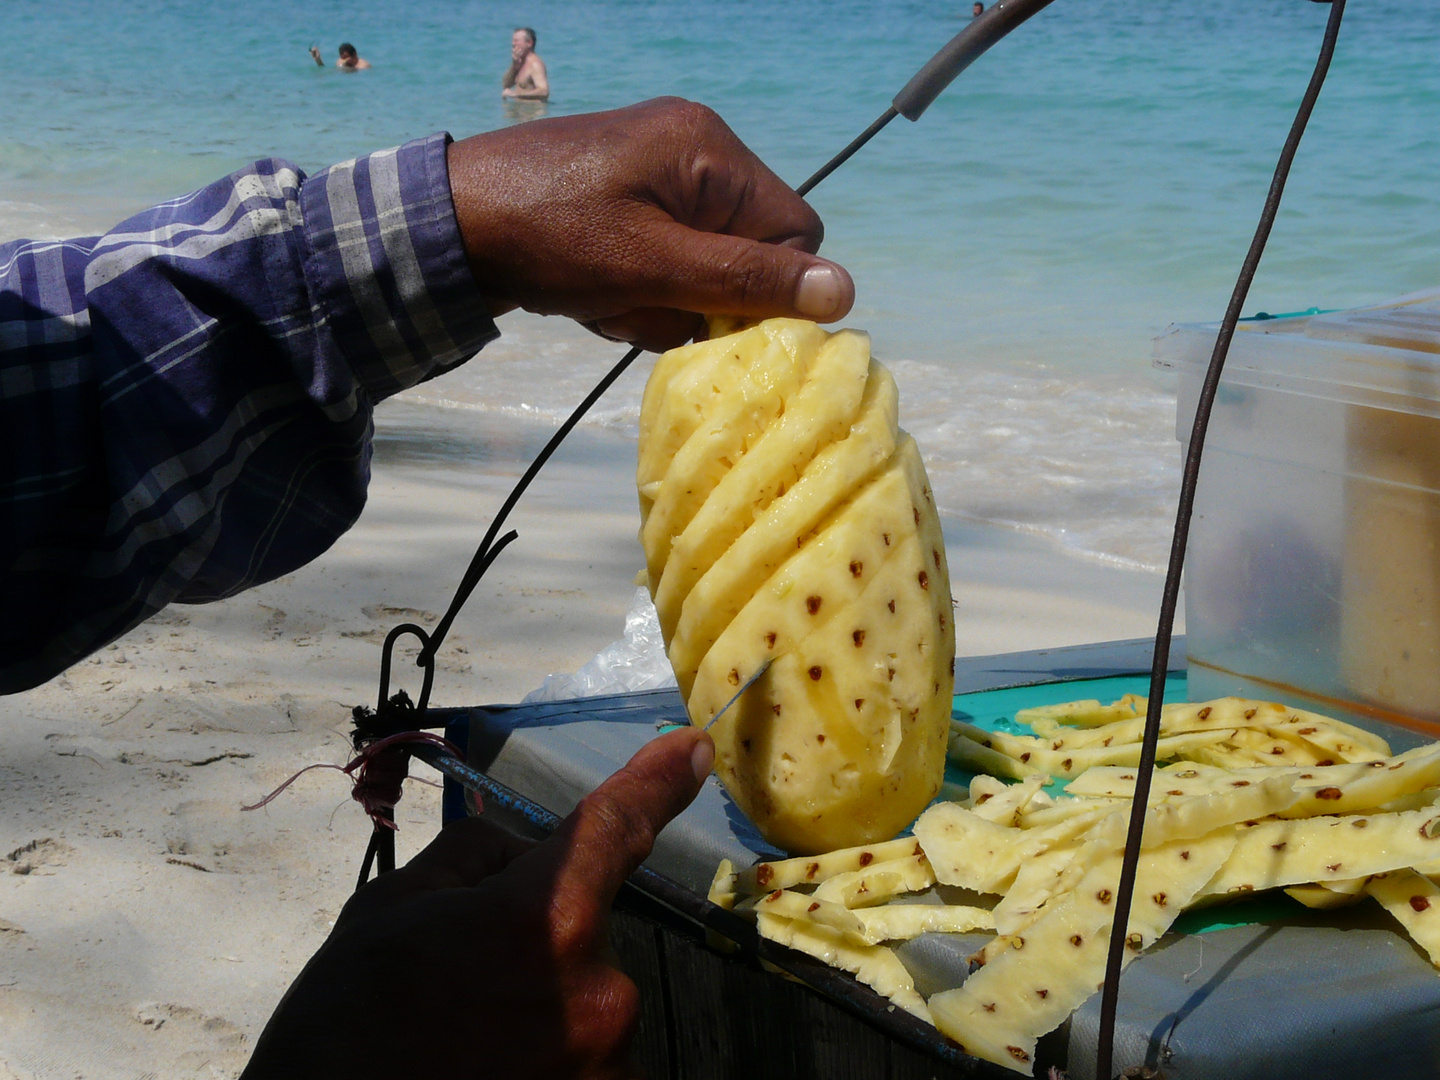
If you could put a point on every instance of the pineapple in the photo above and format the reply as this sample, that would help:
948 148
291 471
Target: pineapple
787 520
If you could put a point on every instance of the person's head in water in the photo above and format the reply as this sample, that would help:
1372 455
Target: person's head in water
979 9
522 43
350 60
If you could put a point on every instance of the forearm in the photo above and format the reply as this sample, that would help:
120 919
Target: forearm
534 93
186 401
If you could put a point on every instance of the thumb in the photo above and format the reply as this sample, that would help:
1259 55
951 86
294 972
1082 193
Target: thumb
613 829
718 274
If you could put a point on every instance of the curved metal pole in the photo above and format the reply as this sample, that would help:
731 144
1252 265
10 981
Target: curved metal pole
962 50
1125 891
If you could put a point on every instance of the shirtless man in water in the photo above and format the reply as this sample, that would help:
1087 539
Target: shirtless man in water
526 78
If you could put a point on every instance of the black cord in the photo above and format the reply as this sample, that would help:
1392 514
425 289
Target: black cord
484 555
1124 893
845 155
369 859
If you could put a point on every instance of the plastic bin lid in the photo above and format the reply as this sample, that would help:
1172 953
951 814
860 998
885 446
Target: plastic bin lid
1416 327
1386 356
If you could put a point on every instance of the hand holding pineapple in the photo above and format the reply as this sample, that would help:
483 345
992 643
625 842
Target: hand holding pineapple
520 931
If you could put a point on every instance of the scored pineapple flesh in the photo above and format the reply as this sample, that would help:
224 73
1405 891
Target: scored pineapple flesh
795 525
731 403
819 413
831 477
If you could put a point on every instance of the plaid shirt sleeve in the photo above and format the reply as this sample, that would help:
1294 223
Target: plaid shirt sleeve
185 402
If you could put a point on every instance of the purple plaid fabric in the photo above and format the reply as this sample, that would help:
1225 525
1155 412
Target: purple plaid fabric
185 402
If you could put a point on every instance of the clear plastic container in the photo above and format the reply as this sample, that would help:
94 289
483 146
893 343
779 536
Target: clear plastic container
1313 573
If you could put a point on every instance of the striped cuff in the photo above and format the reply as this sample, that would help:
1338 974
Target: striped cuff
387 269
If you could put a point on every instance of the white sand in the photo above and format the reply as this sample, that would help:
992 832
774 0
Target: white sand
147 927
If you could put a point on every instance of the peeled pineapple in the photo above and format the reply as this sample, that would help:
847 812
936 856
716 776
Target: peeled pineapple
786 518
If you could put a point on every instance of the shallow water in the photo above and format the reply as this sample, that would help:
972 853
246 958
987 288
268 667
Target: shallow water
1094 178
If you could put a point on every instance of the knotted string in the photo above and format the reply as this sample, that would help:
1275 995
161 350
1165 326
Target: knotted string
377 773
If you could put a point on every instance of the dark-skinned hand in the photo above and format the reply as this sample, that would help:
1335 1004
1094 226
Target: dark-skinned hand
486 956
634 221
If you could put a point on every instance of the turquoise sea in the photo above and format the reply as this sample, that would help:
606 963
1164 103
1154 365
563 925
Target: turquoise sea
1092 179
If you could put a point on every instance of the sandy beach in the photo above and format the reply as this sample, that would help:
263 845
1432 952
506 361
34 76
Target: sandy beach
147 926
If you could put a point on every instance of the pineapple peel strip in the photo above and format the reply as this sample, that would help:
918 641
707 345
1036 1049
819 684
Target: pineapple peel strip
878 883
1273 854
1031 987
1180 716
874 965
787 873
1072 738
793 905
901 922
1003 806
1414 901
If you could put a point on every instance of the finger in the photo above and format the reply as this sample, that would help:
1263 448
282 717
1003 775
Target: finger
613 830
605 1017
731 275
654 329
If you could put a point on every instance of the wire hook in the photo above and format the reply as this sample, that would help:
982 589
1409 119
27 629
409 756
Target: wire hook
426 660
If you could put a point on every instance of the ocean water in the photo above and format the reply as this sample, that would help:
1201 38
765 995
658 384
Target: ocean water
1094 178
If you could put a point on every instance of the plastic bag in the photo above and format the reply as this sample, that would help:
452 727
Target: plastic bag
636 662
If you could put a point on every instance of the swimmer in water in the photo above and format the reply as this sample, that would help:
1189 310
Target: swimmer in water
526 78
349 59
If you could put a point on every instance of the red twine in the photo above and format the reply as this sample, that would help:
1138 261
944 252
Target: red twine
377 774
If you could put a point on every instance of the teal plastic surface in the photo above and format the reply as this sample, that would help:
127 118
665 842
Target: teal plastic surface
994 710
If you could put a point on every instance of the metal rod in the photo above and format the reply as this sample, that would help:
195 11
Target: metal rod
846 154
1124 893
751 681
